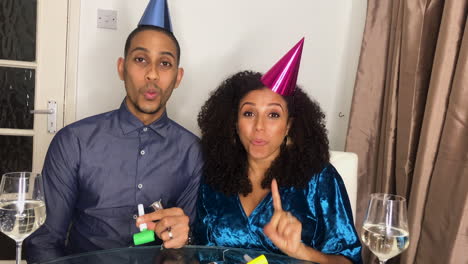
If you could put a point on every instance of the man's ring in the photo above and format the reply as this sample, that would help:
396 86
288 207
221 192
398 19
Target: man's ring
169 232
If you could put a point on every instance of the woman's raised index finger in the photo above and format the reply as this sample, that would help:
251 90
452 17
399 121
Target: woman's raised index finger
276 196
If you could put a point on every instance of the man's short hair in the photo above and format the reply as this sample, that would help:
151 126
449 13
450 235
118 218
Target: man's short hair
155 28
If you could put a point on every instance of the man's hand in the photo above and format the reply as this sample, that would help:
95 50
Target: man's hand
170 225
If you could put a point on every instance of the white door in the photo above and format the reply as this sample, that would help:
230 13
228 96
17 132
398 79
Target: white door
33 36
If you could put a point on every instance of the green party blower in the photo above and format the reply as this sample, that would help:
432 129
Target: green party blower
145 235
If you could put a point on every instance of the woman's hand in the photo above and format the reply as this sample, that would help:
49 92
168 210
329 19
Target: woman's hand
284 229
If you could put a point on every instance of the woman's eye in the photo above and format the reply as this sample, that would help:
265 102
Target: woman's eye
248 114
274 115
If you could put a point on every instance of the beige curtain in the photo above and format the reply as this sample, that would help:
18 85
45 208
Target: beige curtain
409 121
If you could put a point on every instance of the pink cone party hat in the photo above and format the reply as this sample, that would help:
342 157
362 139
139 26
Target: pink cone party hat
282 77
157 14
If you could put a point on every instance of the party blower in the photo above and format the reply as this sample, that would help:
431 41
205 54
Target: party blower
145 235
259 260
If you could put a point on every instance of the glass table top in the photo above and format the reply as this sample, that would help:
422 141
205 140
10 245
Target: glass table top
187 254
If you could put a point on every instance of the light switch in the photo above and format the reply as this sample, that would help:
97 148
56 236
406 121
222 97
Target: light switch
107 19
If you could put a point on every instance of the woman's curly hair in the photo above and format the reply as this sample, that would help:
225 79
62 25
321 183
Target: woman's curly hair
226 165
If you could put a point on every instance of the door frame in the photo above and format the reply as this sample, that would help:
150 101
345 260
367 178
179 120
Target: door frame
71 63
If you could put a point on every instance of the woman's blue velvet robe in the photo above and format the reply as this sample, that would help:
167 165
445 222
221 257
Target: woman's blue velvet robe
322 207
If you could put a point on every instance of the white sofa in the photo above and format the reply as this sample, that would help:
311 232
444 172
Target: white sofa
346 163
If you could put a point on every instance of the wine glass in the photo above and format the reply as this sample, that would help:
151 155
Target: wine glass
22 207
385 229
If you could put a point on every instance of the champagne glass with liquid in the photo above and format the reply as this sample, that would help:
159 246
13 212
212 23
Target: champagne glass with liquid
22 207
385 229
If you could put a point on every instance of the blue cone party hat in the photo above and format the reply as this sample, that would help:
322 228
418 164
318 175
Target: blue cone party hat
282 77
157 14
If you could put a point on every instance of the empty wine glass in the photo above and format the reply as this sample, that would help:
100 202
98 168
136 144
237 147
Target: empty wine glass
385 229
22 207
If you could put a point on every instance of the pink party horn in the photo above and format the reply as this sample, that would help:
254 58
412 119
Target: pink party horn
282 77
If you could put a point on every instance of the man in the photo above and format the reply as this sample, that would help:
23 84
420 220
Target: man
99 169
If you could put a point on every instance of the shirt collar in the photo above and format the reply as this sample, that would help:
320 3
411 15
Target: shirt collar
129 122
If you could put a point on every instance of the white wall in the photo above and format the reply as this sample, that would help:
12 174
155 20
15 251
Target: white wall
219 38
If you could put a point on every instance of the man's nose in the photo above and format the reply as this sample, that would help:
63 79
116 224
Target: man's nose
152 74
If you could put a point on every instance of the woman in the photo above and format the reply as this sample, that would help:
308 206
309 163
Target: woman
255 140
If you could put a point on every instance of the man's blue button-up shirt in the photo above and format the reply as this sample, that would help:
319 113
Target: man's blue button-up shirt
99 169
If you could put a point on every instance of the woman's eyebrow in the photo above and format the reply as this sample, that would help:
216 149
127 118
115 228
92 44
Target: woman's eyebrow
276 104
246 103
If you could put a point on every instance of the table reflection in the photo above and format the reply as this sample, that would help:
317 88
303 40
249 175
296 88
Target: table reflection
188 254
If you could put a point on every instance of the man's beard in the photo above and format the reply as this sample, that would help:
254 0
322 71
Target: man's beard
141 110
137 107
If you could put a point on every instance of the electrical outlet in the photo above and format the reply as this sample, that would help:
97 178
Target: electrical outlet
107 19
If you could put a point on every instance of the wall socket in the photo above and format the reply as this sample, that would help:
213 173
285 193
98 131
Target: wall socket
107 19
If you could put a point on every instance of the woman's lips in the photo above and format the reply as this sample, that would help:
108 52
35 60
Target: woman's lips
258 142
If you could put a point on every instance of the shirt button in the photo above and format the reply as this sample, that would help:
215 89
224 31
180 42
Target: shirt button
135 217
140 186
142 152
145 129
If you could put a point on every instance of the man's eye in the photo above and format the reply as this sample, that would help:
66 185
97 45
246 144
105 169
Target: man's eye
139 59
166 64
248 114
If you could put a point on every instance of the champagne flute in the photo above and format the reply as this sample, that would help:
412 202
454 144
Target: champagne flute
385 229
22 207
